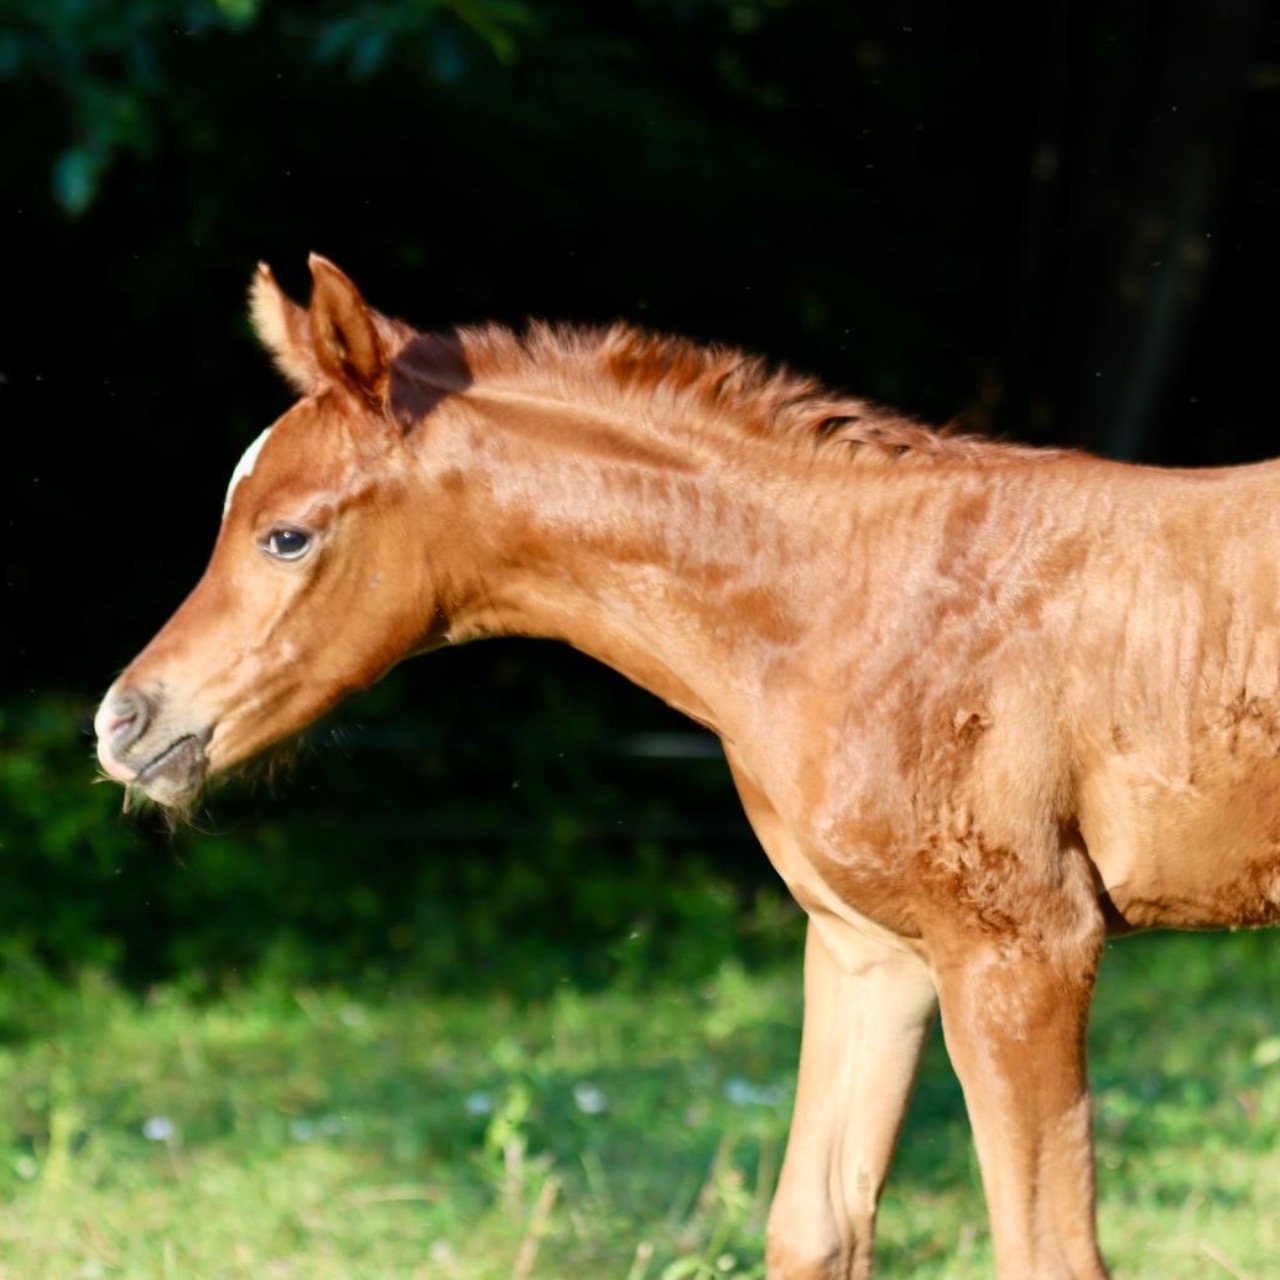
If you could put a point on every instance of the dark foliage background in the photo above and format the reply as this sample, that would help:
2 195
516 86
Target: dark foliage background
1056 222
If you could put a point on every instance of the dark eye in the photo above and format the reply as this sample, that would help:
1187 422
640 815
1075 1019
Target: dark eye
286 544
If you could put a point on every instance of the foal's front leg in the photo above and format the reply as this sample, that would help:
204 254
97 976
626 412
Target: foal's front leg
865 1019
1014 1015
867 1006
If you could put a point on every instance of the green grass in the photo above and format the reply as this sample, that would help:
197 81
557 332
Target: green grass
323 1134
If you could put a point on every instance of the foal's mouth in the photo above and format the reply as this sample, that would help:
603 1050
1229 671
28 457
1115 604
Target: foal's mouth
176 774
178 750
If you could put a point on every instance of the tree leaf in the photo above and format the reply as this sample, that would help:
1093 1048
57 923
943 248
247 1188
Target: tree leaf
76 174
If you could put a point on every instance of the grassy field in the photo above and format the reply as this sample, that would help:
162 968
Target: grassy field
326 1135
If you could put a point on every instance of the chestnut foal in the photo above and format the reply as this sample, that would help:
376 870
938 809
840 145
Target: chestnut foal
984 704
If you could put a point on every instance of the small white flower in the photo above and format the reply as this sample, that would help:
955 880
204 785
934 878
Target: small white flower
591 1100
303 1130
158 1129
1267 1052
479 1103
742 1093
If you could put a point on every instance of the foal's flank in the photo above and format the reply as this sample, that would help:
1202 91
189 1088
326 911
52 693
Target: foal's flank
984 704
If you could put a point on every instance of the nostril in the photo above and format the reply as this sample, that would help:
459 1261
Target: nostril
127 718
119 728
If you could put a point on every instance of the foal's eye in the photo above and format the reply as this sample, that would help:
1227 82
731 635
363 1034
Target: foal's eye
286 544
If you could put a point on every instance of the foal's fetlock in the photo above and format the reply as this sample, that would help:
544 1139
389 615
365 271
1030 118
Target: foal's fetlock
785 1262
789 1259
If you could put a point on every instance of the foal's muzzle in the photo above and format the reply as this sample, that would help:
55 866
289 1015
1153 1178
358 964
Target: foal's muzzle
142 746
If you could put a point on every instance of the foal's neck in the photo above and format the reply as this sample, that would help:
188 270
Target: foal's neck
669 556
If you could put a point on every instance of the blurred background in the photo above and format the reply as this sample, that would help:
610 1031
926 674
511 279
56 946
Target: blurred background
1055 222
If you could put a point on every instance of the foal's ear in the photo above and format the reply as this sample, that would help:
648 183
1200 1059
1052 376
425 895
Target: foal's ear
344 335
284 328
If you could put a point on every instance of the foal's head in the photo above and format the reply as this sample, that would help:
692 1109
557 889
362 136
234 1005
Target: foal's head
321 576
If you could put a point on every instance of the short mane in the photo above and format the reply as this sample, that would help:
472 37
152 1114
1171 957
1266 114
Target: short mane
623 368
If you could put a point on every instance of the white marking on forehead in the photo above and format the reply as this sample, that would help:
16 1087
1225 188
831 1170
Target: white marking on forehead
244 468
